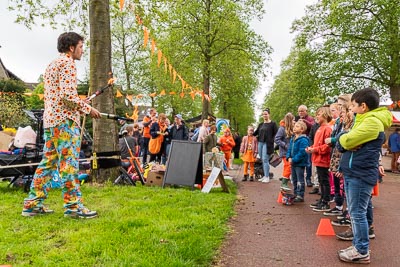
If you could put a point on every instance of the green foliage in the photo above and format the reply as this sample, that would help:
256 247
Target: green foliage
33 101
297 84
137 226
357 43
12 104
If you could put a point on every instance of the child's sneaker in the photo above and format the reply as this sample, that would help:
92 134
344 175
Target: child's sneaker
298 199
322 207
284 184
316 204
333 212
36 211
352 255
345 215
341 222
82 213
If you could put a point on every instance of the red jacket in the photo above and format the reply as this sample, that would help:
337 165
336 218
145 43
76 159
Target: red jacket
322 152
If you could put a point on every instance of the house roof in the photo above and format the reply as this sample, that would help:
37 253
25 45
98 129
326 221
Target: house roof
6 74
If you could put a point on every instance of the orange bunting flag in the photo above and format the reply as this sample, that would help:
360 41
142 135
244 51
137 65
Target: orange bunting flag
153 94
193 94
28 94
165 65
146 37
139 96
130 98
153 46
121 4
174 76
172 93
41 96
170 68
159 55
162 92
182 94
118 94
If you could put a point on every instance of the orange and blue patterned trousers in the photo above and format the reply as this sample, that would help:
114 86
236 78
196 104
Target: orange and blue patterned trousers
60 154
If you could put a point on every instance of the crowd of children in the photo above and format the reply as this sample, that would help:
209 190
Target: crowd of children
345 147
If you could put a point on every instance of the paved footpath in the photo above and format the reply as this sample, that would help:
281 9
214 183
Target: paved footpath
266 233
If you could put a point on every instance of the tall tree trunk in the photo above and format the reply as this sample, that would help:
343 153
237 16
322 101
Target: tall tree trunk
104 131
207 65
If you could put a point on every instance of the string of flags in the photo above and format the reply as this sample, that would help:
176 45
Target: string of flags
161 58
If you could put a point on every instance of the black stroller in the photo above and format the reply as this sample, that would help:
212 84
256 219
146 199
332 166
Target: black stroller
259 171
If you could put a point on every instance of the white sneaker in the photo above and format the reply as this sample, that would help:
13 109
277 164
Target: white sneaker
265 179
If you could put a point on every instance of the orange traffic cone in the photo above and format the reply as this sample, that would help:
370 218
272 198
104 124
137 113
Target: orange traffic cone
279 200
325 227
375 190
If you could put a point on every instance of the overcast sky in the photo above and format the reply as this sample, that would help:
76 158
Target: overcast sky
26 53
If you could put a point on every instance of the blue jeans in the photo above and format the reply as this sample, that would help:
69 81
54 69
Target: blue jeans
298 180
263 152
309 170
358 195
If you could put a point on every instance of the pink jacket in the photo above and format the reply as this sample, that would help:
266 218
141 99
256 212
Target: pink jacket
245 142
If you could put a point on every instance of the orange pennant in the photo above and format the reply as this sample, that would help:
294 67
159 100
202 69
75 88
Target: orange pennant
159 55
121 4
146 37
41 96
182 94
162 92
129 97
174 76
118 94
153 94
153 46
193 94
139 96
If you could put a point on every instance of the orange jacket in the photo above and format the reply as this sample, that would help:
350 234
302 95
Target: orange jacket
227 143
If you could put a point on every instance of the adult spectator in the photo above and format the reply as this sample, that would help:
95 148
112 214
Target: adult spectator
265 133
179 131
238 141
203 131
394 147
147 121
127 142
139 138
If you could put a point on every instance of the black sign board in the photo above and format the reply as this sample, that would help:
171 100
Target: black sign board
185 164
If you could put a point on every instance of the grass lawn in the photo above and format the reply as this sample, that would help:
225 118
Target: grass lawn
137 226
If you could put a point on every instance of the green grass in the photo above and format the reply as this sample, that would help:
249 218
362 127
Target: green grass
137 226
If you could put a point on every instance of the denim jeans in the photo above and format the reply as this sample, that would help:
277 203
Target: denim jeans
263 152
358 195
309 170
298 180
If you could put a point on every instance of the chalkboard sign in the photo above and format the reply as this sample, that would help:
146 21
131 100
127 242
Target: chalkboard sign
185 164
216 173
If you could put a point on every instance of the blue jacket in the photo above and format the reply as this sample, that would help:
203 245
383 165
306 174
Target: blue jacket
297 151
282 141
394 142
361 146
